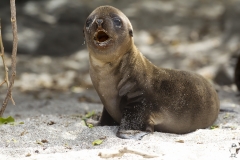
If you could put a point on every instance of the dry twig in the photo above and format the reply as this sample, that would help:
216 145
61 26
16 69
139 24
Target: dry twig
3 60
126 150
4 63
14 55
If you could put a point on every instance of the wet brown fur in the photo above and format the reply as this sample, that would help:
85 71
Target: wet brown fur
140 96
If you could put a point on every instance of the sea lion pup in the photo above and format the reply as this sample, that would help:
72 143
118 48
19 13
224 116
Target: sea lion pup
136 94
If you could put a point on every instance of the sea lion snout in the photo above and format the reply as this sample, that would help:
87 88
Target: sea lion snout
99 22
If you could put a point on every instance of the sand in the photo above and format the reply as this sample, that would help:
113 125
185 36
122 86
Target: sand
53 129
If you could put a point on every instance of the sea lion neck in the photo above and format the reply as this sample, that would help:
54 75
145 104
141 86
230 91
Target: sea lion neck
110 60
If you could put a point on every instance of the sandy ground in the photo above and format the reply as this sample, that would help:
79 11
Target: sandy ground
52 129
187 36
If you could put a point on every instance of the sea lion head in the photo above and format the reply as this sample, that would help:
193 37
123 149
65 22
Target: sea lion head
108 32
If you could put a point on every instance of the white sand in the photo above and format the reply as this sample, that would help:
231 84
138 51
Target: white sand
67 138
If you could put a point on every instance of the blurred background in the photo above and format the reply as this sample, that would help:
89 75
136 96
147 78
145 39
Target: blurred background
196 35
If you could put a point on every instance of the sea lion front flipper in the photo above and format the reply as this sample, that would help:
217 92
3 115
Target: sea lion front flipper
134 123
105 120
134 134
131 134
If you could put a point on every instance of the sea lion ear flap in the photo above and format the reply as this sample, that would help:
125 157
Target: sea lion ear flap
131 32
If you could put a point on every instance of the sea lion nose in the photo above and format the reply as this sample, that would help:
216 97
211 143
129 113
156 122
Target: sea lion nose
99 22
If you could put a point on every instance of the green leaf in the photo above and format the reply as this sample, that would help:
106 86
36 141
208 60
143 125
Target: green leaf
90 125
97 142
89 114
7 120
214 127
83 122
21 122
226 116
39 142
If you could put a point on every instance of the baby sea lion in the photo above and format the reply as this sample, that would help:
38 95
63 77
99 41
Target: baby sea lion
136 94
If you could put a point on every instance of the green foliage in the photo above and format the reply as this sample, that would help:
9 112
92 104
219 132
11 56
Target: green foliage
8 120
83 122
39 142
214 127
97 142
90 125
90 114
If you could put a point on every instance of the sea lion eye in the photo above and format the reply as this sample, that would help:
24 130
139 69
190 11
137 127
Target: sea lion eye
117 22
88 22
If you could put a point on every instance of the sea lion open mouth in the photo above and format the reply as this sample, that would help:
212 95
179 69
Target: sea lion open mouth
101 38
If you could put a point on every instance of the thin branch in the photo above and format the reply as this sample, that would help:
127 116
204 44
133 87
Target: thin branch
14 55
4 63
2 83
126 150
3 60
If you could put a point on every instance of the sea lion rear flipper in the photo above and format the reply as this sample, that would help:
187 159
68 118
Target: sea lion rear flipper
131 134
106 119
